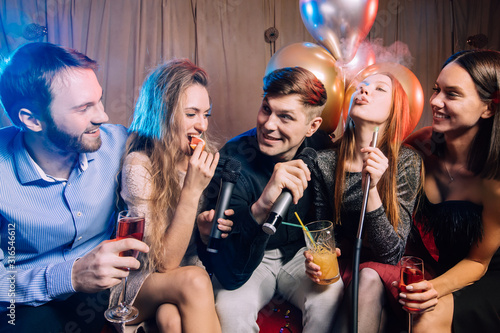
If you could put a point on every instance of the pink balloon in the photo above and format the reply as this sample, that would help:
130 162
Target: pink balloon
339 25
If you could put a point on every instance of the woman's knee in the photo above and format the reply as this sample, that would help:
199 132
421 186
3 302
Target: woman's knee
438 320
370 284
168 318
369 278
197 283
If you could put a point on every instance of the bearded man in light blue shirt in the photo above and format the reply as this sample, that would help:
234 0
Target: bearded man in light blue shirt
58 179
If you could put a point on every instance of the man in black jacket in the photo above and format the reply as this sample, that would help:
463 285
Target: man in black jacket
252 266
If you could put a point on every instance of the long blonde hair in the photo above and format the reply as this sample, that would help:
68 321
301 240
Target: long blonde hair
396 130
156 131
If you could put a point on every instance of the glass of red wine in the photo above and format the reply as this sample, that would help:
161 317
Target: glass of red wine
412 271
130 225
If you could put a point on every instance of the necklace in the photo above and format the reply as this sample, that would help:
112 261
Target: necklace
448 171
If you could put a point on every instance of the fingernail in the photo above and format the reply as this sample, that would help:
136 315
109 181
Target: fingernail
409 288
401 302
402 295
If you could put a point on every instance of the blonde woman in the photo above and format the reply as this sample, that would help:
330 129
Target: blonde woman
164 177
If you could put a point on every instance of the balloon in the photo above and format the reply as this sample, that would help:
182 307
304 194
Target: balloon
339 25
321 63
408 80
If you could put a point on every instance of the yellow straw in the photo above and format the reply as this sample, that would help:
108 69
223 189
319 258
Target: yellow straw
305 229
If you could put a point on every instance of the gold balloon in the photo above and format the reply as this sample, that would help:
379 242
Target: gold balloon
322 64
408 80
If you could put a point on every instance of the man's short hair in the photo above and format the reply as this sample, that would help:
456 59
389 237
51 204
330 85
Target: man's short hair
26 78
299 81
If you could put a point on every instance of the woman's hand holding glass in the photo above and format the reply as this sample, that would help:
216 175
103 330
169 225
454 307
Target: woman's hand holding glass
420 296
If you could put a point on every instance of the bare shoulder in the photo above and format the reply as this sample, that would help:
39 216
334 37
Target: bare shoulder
491 192
491 216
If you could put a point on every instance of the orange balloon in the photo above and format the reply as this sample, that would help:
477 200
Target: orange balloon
408 80
322 64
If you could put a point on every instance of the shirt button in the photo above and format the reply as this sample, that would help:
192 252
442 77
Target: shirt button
79 238
79 214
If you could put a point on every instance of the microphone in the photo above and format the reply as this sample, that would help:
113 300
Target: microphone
280 207
230 175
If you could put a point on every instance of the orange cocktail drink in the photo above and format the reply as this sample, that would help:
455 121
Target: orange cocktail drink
320 242
327 260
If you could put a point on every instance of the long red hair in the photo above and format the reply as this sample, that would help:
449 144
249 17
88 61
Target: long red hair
396 130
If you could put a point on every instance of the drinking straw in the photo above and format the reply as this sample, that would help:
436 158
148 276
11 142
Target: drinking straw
292 224
305 229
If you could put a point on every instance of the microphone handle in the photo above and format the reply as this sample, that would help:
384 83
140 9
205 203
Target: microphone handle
221 206
277 213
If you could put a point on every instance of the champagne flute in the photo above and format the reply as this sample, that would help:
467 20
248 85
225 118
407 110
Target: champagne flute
129 226
412 271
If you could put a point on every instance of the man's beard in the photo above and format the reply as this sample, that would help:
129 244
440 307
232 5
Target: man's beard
69 142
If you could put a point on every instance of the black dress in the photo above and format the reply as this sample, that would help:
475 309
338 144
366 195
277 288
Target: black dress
443 235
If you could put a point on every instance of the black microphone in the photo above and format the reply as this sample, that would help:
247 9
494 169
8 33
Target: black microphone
280 207
230 175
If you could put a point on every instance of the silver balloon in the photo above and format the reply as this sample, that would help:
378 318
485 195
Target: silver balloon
339 25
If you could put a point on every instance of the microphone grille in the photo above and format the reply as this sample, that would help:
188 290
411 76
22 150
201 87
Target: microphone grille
309 156
231 171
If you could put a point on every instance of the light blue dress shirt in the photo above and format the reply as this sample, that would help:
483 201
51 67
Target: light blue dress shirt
47 223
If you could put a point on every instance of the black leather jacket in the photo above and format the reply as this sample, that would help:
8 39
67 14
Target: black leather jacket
242 251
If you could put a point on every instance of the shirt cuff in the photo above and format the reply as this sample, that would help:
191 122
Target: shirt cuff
58 279
253 228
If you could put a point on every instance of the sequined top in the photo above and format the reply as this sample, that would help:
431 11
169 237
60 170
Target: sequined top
381 242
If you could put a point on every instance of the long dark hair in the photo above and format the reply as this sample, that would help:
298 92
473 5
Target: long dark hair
483 67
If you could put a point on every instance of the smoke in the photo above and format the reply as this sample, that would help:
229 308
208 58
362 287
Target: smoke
370 52
397 52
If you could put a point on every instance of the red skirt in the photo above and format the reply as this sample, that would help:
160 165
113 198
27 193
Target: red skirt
388 274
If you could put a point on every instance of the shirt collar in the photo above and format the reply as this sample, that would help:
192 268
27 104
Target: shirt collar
29 171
